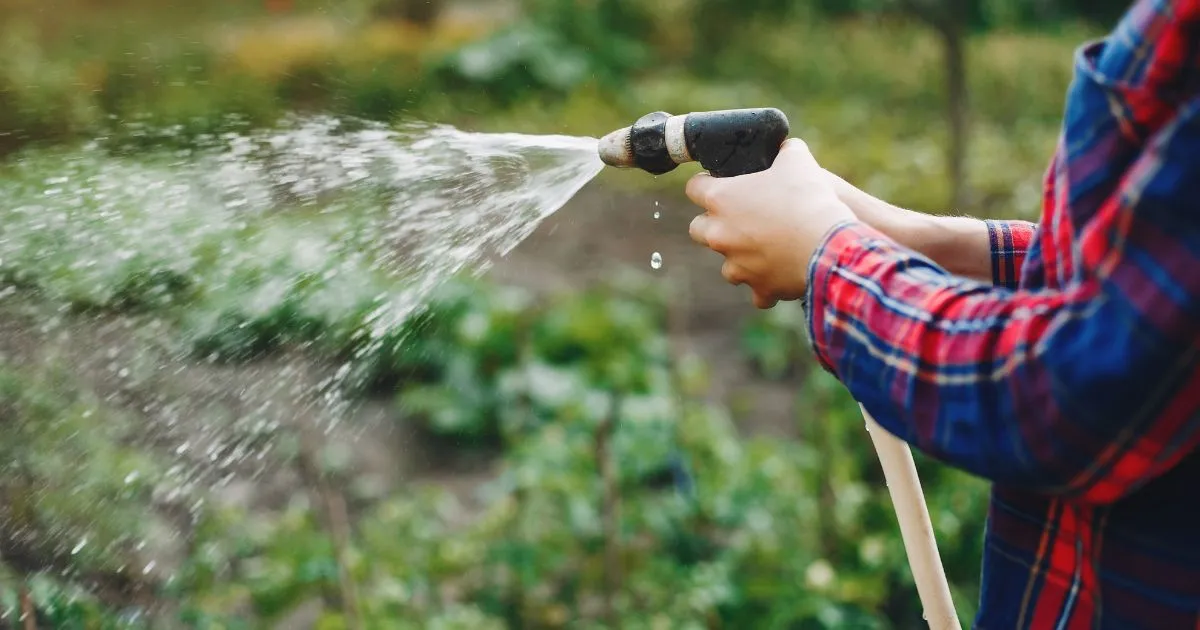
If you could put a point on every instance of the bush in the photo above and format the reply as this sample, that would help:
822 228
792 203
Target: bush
710 527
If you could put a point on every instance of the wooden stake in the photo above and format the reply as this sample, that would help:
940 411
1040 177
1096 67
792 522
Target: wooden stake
916 529
28 610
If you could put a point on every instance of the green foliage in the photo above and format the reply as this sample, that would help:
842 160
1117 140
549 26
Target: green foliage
712 527
64 605
984 15
557 47
76 488
70 479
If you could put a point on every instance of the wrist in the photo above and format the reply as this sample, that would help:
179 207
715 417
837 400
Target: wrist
959 245
911 229
953 243
837 214
839 246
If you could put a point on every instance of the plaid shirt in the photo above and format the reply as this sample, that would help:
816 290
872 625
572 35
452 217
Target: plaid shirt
1072 381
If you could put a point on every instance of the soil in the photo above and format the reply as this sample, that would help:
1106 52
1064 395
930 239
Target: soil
602 231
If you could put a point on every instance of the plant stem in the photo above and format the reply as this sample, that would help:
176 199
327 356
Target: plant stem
518 580
336 520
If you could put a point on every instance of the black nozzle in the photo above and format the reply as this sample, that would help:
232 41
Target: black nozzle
726 143
736 142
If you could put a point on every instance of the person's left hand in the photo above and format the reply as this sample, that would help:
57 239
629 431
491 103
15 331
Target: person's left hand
768 224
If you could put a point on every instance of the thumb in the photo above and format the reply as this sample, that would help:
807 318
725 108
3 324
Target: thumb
795 154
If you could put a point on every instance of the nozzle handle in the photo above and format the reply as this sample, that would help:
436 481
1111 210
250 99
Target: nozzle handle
734 142
727 143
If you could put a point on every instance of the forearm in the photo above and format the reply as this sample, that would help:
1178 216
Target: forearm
1059 391
961 245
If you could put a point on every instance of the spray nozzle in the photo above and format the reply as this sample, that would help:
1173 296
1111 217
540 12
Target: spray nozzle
726 143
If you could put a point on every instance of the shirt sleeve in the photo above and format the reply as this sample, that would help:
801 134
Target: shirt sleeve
1009 242
1086 391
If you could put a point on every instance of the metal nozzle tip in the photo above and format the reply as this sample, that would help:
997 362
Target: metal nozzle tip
615 149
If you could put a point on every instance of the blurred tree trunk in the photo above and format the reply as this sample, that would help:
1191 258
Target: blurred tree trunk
420 12
949 19
954 44
279 6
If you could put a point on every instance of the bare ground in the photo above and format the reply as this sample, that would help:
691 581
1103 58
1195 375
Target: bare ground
600 232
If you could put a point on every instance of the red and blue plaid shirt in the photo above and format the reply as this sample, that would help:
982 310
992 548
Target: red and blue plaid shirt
1072 381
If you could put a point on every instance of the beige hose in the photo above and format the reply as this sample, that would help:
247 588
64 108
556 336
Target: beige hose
900 472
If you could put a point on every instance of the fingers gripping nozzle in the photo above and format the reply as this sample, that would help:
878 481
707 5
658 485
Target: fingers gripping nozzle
726 143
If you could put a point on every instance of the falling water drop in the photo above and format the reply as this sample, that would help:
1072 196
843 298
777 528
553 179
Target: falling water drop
655 260
79 547
656 212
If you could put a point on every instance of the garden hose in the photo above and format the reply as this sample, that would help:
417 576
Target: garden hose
743 141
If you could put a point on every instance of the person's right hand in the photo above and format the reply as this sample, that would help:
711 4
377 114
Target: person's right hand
768 224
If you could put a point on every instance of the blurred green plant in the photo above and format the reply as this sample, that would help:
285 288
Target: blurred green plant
710 528
621 496
557 46
76 491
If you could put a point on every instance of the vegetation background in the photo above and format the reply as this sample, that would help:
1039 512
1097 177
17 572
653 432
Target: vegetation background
574 439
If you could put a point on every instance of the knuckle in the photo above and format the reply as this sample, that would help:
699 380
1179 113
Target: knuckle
697 228
717 198
731 272
718 239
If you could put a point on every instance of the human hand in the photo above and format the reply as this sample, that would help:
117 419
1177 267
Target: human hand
768 224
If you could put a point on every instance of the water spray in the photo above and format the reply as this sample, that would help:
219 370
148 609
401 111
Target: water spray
737 142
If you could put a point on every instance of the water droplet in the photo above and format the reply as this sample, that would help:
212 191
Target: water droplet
655 260
132 477
79 547
149 568
657 214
